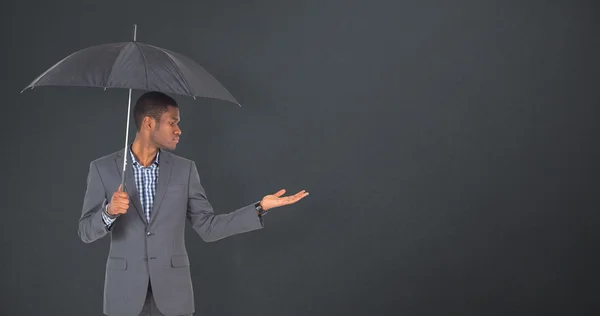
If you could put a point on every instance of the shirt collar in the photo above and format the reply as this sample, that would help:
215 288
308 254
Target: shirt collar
135 162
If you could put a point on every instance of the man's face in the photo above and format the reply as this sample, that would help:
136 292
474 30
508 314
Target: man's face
166 133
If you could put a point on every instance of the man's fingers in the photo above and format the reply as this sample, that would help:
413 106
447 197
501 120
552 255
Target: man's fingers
300 194
122 195
121 204
280 193
121 208
296 197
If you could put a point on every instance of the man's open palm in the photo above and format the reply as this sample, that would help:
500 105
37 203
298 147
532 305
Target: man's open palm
276 200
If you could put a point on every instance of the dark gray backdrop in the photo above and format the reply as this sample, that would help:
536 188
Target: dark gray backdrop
449 149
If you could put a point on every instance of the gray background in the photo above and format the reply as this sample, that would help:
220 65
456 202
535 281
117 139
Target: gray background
449 149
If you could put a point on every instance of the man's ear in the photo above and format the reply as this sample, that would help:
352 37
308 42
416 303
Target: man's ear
149 122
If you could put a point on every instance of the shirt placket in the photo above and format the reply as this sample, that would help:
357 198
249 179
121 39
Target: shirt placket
146 184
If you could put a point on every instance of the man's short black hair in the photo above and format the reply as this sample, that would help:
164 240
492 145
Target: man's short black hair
152 104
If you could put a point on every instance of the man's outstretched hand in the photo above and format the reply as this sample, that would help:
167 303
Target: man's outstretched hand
276 200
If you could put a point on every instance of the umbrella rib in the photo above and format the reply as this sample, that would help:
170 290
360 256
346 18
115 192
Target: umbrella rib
179 71
145 62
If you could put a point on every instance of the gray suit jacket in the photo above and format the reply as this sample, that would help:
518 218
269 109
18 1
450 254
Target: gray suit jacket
155 252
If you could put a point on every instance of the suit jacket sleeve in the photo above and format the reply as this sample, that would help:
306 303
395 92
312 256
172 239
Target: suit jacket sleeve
91 224
213 227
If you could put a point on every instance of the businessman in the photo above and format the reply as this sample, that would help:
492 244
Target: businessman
148 269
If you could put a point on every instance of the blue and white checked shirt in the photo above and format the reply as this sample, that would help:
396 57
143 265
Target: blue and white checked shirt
145 182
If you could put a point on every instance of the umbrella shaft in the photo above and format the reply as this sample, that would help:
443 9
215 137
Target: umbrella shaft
125 154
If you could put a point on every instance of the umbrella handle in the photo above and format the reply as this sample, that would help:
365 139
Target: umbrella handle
123 175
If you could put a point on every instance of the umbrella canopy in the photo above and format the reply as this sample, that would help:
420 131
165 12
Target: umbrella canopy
133 65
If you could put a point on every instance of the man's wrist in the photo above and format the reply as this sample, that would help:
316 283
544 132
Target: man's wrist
108 214
259 209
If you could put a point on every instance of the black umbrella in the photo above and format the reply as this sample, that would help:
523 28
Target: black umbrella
133 65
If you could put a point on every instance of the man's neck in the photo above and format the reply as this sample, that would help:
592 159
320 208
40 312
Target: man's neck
143 152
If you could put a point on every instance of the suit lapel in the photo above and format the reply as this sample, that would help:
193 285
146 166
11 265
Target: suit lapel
164 174
130 186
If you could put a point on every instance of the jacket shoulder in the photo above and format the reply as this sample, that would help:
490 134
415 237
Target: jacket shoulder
106 158
176 158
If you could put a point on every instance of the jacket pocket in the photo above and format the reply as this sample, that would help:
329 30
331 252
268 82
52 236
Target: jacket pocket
179 261
116 263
